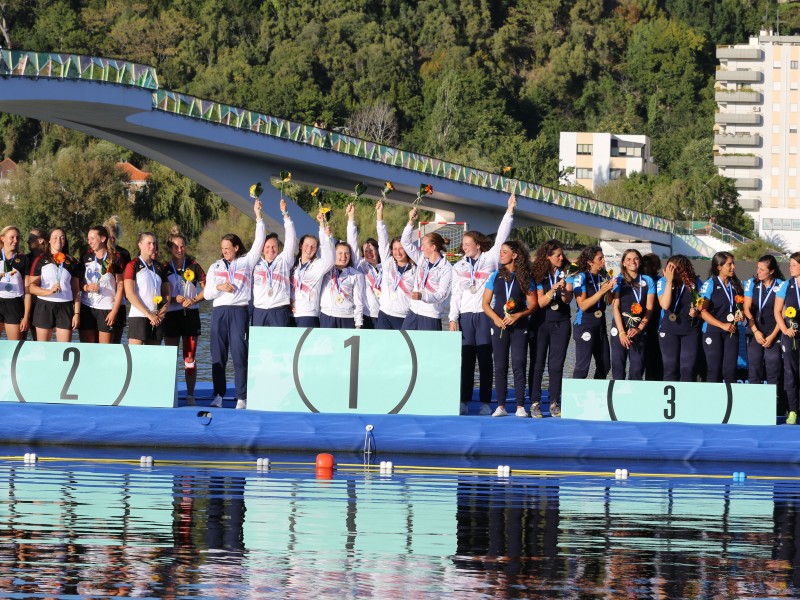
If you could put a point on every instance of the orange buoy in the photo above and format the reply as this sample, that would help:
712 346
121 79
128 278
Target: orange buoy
324 461
324 473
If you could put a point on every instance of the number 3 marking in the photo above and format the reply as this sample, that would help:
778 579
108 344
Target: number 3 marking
669 413
65 389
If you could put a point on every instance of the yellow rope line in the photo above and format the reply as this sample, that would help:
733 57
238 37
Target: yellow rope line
398 469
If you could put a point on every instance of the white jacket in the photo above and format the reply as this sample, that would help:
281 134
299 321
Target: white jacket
278 275
240 270
373 275
395 288
433 281
307 279
343 294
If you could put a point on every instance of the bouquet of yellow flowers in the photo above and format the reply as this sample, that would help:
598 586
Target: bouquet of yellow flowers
790 313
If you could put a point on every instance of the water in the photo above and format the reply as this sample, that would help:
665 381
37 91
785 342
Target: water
218 528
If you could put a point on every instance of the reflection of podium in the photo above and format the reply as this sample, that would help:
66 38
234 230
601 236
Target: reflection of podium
665 401
354 371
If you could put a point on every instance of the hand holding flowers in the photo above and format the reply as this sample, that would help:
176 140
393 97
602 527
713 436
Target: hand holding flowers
508 310
790 313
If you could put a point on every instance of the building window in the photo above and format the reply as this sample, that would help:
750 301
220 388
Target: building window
793 64
585 149
780 224
616 174
583 173
792 129
766 224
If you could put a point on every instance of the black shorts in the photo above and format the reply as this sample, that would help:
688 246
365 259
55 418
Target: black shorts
50 315
94 319
177 325
139 328
12 310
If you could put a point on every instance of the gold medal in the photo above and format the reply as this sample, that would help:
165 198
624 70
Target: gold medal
554 306
377 292
339 299
394 295
673 317
598 313
269 292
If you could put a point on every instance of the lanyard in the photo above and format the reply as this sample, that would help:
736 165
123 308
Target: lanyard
796 292
761 303
600 304
183 267
302 267
153 275
473 268
377 273
727 295
678 299
337 281
428 269
269 268
553 278
231 270
509 286
9 261
638 287
400 272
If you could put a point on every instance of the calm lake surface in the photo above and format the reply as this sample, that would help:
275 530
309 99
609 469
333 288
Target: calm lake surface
84 524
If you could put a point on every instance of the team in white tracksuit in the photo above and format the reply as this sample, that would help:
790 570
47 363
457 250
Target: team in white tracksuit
272 283
398 279
342 297
470 275
370 264
432 280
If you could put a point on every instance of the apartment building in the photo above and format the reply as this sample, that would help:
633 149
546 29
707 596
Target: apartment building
756 130
597 158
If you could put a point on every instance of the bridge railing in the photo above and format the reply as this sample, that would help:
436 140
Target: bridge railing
76 66
216 112
712 229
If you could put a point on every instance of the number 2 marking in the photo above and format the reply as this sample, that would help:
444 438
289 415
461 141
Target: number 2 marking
354 343
65 389
669 413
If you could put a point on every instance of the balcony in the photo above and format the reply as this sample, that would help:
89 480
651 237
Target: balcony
740 76
750 203
730 53
747 183
750 118
737 139
737 160
745 97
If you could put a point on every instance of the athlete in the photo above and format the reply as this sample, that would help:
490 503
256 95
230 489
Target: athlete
470 275
272 278
634 297
229 284
509 297
367 259
147 291
342 297
102 288
722 315
431 281
182 321
397 280
55 282
308 273
15 301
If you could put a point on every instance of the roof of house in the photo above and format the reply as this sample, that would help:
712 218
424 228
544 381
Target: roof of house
7 166
132 172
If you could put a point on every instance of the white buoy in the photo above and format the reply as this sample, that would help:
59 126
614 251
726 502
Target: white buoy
32 458
618 474
506 471
499 470
624 473
260 463
149 461
27 458
369 428
265 464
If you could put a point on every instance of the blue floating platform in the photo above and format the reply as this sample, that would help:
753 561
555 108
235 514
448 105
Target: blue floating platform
467 436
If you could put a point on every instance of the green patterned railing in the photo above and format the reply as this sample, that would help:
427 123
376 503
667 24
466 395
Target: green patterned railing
314 136
76 66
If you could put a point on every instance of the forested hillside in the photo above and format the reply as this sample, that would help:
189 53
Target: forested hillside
479 82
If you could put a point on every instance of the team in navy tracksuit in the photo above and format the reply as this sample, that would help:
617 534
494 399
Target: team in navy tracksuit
590 334
680 320
634 297
763 350
722 315
554 290
788 301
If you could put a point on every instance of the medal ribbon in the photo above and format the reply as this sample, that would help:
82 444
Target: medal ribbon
270 270
153 276
337 282
761 303
678 299
473 268
727 295
400 273
6 276
377 273
638 286
509 286
302 267
600 304
427 271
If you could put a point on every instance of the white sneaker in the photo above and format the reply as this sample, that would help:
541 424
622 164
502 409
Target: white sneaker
521 412
485 410
500 412
241 404
464 410
190 401
217 401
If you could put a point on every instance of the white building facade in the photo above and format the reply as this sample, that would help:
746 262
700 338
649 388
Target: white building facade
756 137
597 158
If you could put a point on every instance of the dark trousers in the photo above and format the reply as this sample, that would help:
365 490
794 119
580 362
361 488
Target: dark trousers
514 339
591 341
307 321
389 322
329 322
679 355
229 334
415 322
633 356
280 316
722 355
552 341
791 370
476 342
767 363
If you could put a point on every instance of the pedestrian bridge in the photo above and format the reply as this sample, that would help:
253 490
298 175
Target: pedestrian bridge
225 149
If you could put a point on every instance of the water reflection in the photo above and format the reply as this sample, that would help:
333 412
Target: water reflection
117 530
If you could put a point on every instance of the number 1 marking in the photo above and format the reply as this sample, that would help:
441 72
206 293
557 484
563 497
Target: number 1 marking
65 389
670 412
354 343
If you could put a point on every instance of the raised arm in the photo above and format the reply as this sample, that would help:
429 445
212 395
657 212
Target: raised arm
254 255
384 247
290 239
413 252
352 234
504 229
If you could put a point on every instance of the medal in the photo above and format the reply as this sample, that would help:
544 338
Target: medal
394 295
270 292
473 289
339 299
673 317
377 293
598 313
729 318
553 306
